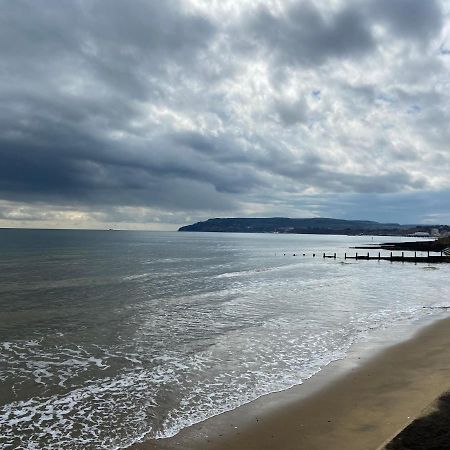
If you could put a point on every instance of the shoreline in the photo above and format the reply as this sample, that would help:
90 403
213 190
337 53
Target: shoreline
356 403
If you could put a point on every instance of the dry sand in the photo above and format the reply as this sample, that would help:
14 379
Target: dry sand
360 410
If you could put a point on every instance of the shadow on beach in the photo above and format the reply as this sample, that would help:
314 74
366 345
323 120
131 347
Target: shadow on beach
430 432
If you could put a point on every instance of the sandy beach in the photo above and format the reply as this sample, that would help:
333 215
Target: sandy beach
370 400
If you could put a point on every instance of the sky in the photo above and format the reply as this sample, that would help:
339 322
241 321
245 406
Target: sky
150 114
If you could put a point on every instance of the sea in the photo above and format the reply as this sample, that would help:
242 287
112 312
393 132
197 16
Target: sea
111 337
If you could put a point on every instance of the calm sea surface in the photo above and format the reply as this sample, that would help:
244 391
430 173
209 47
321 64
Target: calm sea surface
109 336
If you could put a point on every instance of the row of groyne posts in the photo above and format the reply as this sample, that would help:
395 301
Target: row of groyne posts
435 251
439 257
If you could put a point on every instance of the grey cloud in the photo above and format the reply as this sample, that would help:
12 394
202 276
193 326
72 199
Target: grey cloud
49 161
411 19
98 49
54 140
304 35
326 179
412 207
291 112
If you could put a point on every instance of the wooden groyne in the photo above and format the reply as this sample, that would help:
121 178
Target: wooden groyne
441 258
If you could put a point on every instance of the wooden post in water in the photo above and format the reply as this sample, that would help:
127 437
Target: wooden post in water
314 255
335 256
415 256
403 255
428 253
391 256
379 256
368 257
356 256
324 255
345 255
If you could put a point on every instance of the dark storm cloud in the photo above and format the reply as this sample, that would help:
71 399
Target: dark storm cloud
146 104
75 71
67 168
304 35
109 39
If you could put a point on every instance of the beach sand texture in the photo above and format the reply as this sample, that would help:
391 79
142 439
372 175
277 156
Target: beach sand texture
361 410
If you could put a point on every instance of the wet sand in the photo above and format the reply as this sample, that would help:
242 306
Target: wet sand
367 403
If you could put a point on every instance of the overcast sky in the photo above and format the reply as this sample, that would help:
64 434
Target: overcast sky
153 114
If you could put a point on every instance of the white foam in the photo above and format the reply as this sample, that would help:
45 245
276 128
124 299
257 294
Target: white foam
137 276
261 270
118 411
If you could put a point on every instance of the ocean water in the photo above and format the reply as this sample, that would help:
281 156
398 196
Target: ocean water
107 337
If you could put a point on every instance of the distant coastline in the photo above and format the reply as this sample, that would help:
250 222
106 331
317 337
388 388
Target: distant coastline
285 225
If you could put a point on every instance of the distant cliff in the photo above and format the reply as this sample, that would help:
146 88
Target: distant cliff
301 226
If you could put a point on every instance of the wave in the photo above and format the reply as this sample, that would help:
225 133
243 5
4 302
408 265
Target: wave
249 272
179 391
